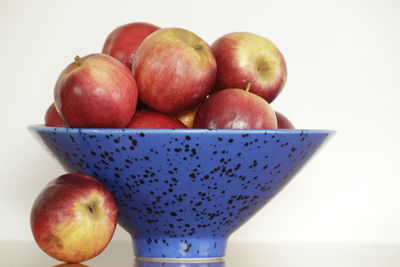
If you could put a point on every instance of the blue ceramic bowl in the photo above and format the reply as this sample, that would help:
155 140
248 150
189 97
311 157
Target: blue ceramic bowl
181 193
178 264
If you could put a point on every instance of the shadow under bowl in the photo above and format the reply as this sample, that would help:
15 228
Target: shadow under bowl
181 193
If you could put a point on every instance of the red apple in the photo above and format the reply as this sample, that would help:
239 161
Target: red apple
123 42
235 109
74 218
71 265
174 70
244 57
96 91
53 119
151 119
283 121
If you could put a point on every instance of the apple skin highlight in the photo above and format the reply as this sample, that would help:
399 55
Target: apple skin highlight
74 218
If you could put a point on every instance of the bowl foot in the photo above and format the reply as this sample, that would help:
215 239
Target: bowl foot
178 263
181 260
179 249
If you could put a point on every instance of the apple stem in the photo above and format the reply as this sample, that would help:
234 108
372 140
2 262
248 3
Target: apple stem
248 86
198 46
77 60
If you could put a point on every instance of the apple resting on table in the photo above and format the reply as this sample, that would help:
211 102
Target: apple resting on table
74 217
244 57
123 42
174 70
96 91
235 109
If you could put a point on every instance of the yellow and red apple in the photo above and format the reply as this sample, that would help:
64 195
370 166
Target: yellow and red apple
174 70
96 91
74 218
123 42
244 57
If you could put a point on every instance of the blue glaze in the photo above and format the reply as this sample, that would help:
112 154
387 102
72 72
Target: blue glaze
181 193
178 264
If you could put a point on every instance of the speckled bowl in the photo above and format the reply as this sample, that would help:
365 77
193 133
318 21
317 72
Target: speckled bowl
181 193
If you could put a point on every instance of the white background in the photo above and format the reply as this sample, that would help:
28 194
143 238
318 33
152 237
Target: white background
343 62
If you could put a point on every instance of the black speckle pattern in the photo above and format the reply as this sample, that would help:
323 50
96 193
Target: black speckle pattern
181 193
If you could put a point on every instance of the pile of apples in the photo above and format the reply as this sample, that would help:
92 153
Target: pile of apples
147 77
151 77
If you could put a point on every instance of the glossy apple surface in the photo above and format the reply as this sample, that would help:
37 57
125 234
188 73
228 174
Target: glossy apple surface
52 118
283 121
244 57
235 109
73 218
123 42
96 91
174 70
150 119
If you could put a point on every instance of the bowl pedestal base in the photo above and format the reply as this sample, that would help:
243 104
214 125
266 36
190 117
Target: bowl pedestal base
199 249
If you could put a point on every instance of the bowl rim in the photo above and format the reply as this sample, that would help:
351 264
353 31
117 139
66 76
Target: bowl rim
43 128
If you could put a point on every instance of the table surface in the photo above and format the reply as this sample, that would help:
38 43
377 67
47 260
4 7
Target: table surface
119 254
